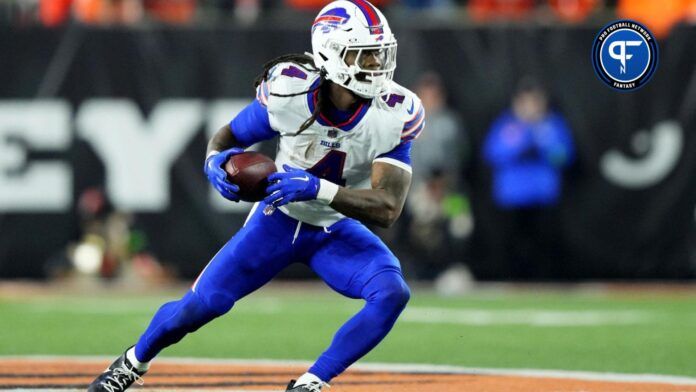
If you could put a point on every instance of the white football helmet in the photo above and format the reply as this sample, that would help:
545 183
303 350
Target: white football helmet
355 32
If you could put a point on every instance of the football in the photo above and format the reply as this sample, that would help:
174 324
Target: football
250 171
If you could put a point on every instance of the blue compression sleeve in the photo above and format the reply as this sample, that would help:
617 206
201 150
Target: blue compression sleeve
252 125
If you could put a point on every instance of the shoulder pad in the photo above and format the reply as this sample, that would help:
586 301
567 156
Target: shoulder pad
284 78
407 108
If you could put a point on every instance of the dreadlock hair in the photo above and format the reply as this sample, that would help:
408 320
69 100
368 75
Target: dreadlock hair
305 61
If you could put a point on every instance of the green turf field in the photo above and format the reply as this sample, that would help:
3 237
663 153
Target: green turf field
632 333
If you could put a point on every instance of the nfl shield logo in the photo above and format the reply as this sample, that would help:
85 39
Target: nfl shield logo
332 133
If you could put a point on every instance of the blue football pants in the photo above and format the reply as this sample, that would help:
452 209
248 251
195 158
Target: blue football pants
347 256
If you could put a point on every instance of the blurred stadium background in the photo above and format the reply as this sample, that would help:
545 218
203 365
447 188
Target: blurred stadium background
586 261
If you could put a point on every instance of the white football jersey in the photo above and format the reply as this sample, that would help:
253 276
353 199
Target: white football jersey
341 153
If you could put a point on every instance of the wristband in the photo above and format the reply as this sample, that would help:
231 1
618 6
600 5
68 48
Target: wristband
327 191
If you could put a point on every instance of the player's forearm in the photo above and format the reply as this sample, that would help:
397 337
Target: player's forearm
380 205
376 206
222 140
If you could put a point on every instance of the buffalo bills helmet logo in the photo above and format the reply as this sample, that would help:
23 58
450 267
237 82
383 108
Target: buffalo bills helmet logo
331 20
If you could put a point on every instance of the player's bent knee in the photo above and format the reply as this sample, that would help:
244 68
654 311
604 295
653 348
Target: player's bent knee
397 294
218 303
389 290
193 313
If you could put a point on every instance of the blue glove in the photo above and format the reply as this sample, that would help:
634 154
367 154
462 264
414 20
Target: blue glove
218 176
293 185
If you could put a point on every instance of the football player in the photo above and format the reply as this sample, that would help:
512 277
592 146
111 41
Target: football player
344 132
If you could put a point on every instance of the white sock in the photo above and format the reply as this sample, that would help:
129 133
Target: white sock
307 379
141 366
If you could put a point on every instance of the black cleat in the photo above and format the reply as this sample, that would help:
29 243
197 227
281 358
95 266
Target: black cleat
117 377
311 387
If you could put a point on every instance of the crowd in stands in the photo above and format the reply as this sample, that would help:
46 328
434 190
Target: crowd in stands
528 148
660 16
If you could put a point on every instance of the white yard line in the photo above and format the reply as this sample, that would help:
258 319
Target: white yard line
423 315
406 368
531 317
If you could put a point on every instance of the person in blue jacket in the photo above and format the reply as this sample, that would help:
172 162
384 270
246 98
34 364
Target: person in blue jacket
528 149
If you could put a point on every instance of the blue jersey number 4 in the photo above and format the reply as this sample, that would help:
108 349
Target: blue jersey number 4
330 167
